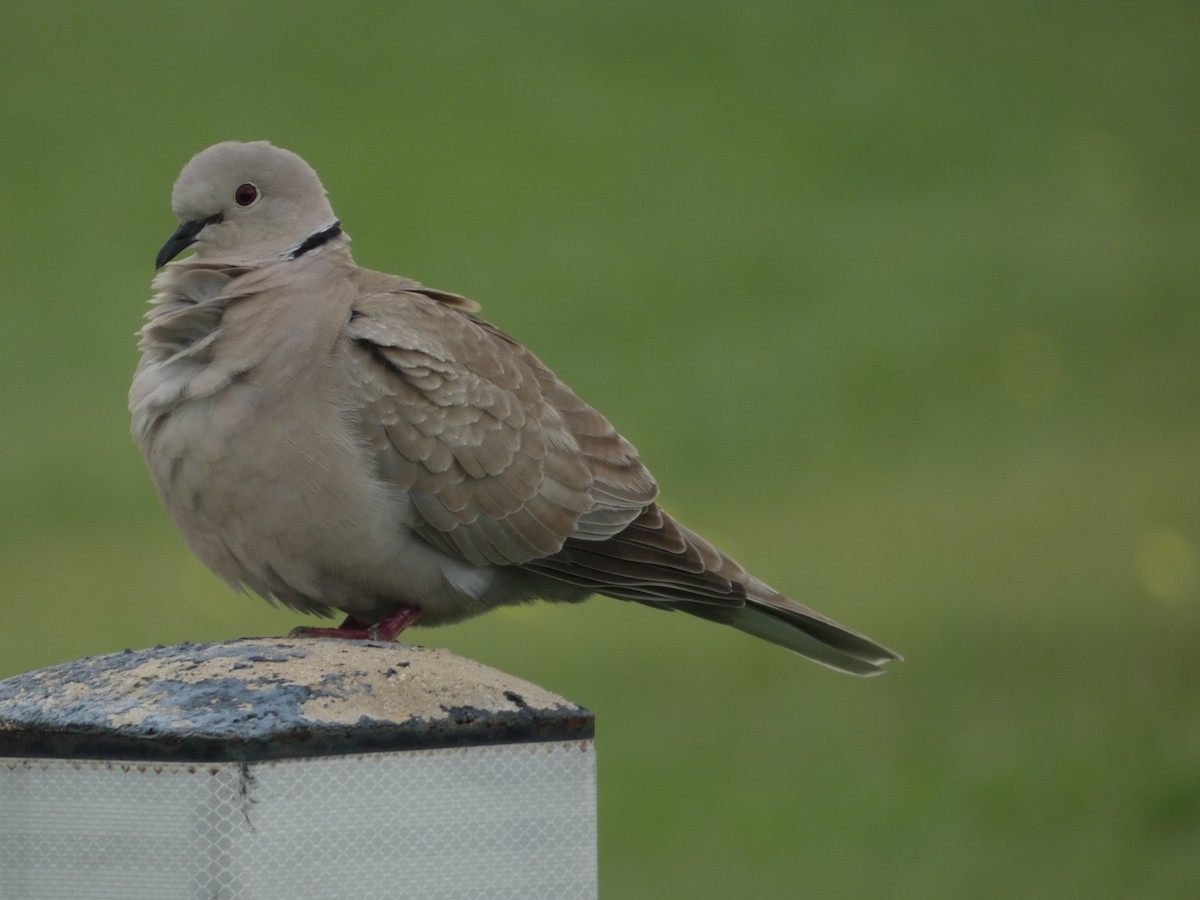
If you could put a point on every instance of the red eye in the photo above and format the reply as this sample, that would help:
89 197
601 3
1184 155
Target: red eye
245 194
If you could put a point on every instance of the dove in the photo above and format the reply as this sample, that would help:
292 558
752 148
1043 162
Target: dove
334 438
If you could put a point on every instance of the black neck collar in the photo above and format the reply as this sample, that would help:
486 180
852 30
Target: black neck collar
313 241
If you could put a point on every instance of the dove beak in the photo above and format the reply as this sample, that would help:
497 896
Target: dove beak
185 235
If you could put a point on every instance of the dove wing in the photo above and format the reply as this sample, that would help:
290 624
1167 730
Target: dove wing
502 462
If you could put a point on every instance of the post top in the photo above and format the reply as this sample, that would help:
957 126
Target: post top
274 698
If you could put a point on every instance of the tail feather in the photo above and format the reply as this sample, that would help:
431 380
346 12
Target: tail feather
773 617
658 562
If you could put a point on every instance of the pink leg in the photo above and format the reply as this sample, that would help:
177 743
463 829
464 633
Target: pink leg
394 624
354 630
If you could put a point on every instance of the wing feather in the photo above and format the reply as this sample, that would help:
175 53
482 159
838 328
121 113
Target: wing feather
502 462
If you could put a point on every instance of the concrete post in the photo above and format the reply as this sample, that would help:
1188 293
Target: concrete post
306 768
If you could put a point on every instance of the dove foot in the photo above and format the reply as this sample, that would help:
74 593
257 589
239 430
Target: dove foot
354 630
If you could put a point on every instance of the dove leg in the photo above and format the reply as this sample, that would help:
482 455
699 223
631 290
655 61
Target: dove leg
354 630
394 624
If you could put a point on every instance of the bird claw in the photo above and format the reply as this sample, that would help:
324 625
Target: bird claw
354 630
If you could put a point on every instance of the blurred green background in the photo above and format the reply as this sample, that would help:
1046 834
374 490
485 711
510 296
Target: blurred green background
899 301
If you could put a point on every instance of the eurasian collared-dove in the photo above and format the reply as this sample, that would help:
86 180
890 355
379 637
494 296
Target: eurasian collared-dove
336 438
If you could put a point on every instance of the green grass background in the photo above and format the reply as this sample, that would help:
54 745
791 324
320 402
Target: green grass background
898 300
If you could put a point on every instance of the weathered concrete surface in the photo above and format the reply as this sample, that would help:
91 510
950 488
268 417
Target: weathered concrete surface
273 698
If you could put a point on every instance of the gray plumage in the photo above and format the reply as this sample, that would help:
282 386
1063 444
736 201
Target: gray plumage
331 437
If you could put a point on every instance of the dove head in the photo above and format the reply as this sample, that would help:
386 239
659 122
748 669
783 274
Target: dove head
247 204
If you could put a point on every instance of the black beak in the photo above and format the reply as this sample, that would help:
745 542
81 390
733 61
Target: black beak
184 237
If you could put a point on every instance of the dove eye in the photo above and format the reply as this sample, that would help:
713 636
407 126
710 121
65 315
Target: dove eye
246 194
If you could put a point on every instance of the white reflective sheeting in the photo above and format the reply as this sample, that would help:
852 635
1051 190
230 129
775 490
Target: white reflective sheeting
500 821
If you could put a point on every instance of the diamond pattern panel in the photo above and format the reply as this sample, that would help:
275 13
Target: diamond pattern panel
503 821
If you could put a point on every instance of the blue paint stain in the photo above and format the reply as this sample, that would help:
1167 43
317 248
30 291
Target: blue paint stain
252 705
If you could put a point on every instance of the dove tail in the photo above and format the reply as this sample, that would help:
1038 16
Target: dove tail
773 617
658 562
